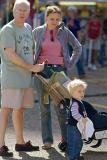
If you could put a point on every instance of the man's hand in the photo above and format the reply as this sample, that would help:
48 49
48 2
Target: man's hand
37 68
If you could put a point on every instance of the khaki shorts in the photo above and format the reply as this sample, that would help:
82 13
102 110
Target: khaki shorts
16 98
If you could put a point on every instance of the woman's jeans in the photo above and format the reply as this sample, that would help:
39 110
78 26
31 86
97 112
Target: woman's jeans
45 110
74 142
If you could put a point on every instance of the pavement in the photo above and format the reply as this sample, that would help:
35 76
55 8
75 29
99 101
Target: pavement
96 94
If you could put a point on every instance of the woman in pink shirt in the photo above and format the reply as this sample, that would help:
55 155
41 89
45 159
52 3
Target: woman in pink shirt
52 41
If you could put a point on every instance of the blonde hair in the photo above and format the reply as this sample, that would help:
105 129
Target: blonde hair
18 2
52 9
74 84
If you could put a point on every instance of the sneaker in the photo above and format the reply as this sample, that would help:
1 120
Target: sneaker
94 68
4 152
90 67
27 147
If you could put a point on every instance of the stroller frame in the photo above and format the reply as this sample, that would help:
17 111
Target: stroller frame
56 88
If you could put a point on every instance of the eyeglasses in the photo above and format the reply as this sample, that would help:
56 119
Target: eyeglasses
51 35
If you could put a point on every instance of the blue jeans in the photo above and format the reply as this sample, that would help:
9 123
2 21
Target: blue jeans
101 58
74 142
80 67
45 110
79 64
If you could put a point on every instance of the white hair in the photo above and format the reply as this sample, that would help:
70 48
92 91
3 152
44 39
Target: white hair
74 84
18 2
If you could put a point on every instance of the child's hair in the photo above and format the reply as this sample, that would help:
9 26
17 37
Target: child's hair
75 84
52 9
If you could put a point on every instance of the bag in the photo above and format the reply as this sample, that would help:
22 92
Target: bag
89 130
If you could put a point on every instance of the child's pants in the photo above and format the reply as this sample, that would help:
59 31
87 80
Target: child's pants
74 142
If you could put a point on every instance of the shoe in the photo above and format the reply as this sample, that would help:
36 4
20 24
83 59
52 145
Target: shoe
47 146
27 147
89 66
81 158
4 152
94 68
82 76
62 146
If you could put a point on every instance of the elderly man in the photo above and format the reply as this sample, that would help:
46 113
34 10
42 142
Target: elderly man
16 75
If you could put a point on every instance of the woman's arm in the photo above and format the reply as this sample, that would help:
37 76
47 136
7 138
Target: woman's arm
77 48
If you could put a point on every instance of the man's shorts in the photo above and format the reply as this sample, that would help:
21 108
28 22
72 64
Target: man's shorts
16 98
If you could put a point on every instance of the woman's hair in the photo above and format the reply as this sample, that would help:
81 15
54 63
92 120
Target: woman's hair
52 9
74 84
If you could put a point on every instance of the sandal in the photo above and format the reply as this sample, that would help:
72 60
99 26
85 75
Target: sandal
47 146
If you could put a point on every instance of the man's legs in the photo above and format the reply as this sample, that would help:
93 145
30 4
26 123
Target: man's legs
3 124
17 117
18 126
4 151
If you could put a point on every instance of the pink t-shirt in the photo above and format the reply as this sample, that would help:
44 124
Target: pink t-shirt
51 50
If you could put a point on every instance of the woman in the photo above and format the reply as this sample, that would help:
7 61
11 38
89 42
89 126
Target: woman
52 41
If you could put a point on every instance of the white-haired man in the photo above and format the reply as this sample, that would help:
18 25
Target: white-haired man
16 75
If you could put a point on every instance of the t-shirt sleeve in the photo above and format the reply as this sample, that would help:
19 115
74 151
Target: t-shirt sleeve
7 38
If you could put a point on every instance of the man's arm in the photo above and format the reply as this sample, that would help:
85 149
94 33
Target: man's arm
14 58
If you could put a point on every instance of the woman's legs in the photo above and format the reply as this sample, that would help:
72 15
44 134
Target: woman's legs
61 114
45 114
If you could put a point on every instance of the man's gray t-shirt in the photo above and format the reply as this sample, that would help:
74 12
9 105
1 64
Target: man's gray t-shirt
20 39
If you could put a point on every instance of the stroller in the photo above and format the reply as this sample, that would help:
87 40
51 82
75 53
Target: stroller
56 87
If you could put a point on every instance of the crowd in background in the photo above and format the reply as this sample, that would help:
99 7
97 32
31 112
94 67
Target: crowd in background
88 24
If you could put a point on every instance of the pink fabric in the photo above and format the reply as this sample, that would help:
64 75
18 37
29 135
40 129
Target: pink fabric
51 50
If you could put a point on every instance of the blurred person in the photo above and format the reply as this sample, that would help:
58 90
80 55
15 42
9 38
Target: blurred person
73 23
1 17
17 45
94 32
52 41
33 9
41 16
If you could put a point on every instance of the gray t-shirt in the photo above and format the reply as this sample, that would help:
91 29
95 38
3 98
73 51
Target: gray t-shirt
20 39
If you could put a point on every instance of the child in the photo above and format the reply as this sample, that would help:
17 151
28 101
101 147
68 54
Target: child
76 113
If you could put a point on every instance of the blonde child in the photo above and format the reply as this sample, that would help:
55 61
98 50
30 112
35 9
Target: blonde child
76 113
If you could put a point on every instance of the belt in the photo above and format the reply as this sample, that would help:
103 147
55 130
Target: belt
52 65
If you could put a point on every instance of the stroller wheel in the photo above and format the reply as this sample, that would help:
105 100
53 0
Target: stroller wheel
62 146
89 141
98 144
